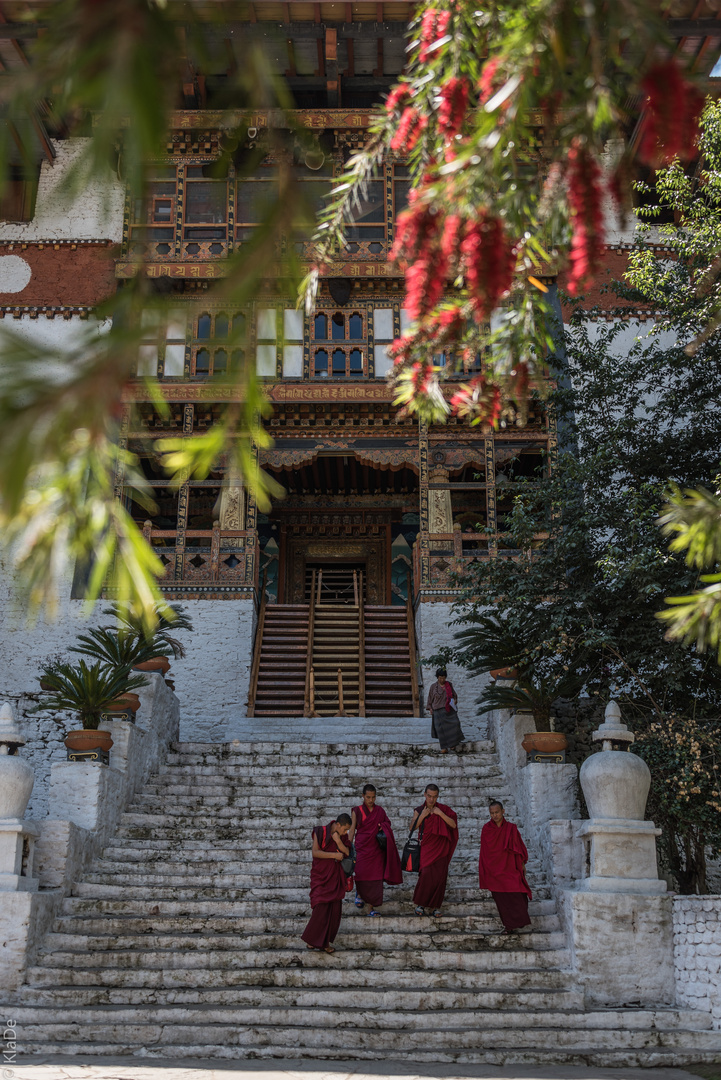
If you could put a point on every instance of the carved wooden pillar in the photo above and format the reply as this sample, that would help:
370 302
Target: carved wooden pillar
183 497
491 520
424 543
232 502
440 512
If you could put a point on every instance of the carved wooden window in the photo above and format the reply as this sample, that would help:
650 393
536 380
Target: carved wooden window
369 217
162 350
401 188
254 197
383 336
215 334
344 355
268 343
206 209
152 214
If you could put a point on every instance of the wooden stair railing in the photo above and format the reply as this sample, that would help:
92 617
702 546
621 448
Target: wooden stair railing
309 708
258 646
361 649
412 648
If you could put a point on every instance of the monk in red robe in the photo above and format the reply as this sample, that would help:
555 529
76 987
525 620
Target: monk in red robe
327 883
438 834
501 869
374 864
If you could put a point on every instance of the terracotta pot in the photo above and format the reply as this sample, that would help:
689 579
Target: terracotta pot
88 740
45 685
125 701
504 673
156 663
545 742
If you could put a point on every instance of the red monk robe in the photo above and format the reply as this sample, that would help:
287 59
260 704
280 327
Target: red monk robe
327 889
373 865
438 842
501 870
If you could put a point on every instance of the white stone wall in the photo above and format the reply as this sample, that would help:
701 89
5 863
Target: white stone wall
697 953
71 205
434 629
211 683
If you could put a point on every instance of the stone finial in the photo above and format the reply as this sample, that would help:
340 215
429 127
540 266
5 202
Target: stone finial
10 734
613 730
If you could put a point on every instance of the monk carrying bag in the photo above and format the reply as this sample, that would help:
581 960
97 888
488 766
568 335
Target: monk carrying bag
382 840
348 864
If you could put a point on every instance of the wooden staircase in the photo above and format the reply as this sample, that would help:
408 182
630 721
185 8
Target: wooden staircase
389 677
280 671
336 645
334 659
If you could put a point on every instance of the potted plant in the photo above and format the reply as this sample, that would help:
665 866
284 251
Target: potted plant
49 664
169 617
87 691
123 650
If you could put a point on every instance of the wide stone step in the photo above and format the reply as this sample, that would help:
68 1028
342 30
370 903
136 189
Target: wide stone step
221 752
389 1032
334 990
98 924
177 936
297 867
497 1055
209 911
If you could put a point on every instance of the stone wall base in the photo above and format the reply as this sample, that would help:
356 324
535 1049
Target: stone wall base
621 946
25 919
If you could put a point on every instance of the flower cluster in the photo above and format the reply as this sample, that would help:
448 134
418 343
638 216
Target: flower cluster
399 96
410 128
585 198
673 110
453 106
488 261
478 400
434 25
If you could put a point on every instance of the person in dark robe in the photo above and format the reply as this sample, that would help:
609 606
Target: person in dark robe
502 869
374 864
445 726
438 834
327 883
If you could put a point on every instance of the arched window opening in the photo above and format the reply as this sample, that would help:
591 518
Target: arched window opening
338 362
239 323
202 362
220 361
356 362
203 327
221 325
355 327
321 327
338 326
321 363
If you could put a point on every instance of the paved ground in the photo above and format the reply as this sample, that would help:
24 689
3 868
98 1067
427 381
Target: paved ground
54 1068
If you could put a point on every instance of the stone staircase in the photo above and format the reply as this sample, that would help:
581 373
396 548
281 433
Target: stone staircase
183 941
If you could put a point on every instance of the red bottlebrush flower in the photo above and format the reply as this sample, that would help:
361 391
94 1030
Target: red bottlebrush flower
425 279
450 241
434 25
586 202
452 109
410 128
398 96
488 261
478 400
416 229
451 321
673 110
421 377
489 81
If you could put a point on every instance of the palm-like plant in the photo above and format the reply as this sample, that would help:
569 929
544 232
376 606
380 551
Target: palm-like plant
162 639
86 690
543 675
118 650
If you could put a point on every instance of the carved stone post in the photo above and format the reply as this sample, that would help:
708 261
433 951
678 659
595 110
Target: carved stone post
17 837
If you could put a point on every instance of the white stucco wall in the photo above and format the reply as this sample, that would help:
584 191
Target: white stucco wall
434 629
697 953
211 683
70 204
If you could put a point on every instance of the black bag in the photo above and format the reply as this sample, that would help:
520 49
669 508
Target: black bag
348 863
382 840
411 857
